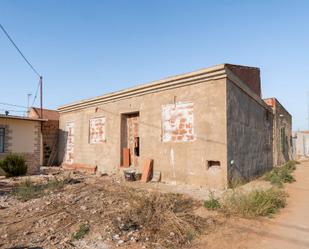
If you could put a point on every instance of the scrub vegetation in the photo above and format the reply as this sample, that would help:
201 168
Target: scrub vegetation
249 204
281 174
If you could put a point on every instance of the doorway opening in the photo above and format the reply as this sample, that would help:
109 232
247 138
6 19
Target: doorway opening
130 140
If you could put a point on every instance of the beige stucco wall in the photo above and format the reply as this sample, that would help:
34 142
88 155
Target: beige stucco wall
249 135
23 137
179 162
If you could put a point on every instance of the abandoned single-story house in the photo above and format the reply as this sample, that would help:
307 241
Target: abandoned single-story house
204 128
301 145
282 132
49 131
22 135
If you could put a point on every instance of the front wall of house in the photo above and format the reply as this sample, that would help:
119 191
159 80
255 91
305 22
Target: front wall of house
22 137
249 136
181 129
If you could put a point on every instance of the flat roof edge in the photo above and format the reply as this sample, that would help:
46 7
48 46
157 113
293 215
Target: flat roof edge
23 118
158 85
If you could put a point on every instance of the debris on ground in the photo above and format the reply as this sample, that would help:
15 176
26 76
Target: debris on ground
59 209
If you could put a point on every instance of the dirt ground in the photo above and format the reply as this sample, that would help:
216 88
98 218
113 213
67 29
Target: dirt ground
50 220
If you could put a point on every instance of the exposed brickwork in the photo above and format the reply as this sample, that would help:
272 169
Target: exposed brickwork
97 130
50 138
80 167
133 132
69 150
249 75
177 122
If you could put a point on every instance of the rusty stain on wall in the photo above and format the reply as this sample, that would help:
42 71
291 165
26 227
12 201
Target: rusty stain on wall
177 122
69 152
97 130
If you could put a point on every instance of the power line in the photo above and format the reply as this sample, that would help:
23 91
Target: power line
10 110
11 40
36 94
2 103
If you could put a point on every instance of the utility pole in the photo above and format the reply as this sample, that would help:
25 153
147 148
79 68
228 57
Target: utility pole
308 108
41 95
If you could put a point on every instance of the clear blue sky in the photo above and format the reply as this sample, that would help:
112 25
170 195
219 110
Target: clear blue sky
87 48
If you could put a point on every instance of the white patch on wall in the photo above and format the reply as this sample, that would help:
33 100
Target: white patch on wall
177 122
69 151
97 130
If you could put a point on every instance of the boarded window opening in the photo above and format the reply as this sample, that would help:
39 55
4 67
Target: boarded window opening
97 130
177 122
212 163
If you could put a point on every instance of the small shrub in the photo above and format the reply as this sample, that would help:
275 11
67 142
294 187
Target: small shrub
212 203
27 190
254 203
14 165
282 174
83 230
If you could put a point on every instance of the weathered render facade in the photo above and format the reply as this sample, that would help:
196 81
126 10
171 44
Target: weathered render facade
22 135
282 132
301 145
205 128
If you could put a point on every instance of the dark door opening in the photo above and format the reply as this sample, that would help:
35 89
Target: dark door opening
130 138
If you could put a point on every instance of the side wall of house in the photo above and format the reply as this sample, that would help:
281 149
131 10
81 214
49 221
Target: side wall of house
23 137
249 136
182 155
282 135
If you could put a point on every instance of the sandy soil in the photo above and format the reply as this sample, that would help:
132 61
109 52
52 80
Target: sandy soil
40 221
289 229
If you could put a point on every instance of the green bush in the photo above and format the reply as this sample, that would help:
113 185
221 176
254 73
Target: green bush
212 203
282 174
14 165
254 203
26 190
83 230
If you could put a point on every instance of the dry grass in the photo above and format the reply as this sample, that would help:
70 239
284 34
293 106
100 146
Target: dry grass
249 204
27 190
282 174
165 219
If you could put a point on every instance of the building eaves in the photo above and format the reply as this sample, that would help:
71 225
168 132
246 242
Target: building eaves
21 118
211 73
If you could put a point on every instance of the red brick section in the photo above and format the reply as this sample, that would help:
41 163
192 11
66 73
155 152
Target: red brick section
178 122
80 167
147 170
249 75
270 102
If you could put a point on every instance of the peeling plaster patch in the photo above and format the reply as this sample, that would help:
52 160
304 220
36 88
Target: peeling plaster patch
69 151
97 130
177 122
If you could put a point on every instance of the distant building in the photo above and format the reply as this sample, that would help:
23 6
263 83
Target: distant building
22 135
205 128
50 130
301 141
282 132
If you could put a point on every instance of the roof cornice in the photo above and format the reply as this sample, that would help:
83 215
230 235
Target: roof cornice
196 77
212 73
